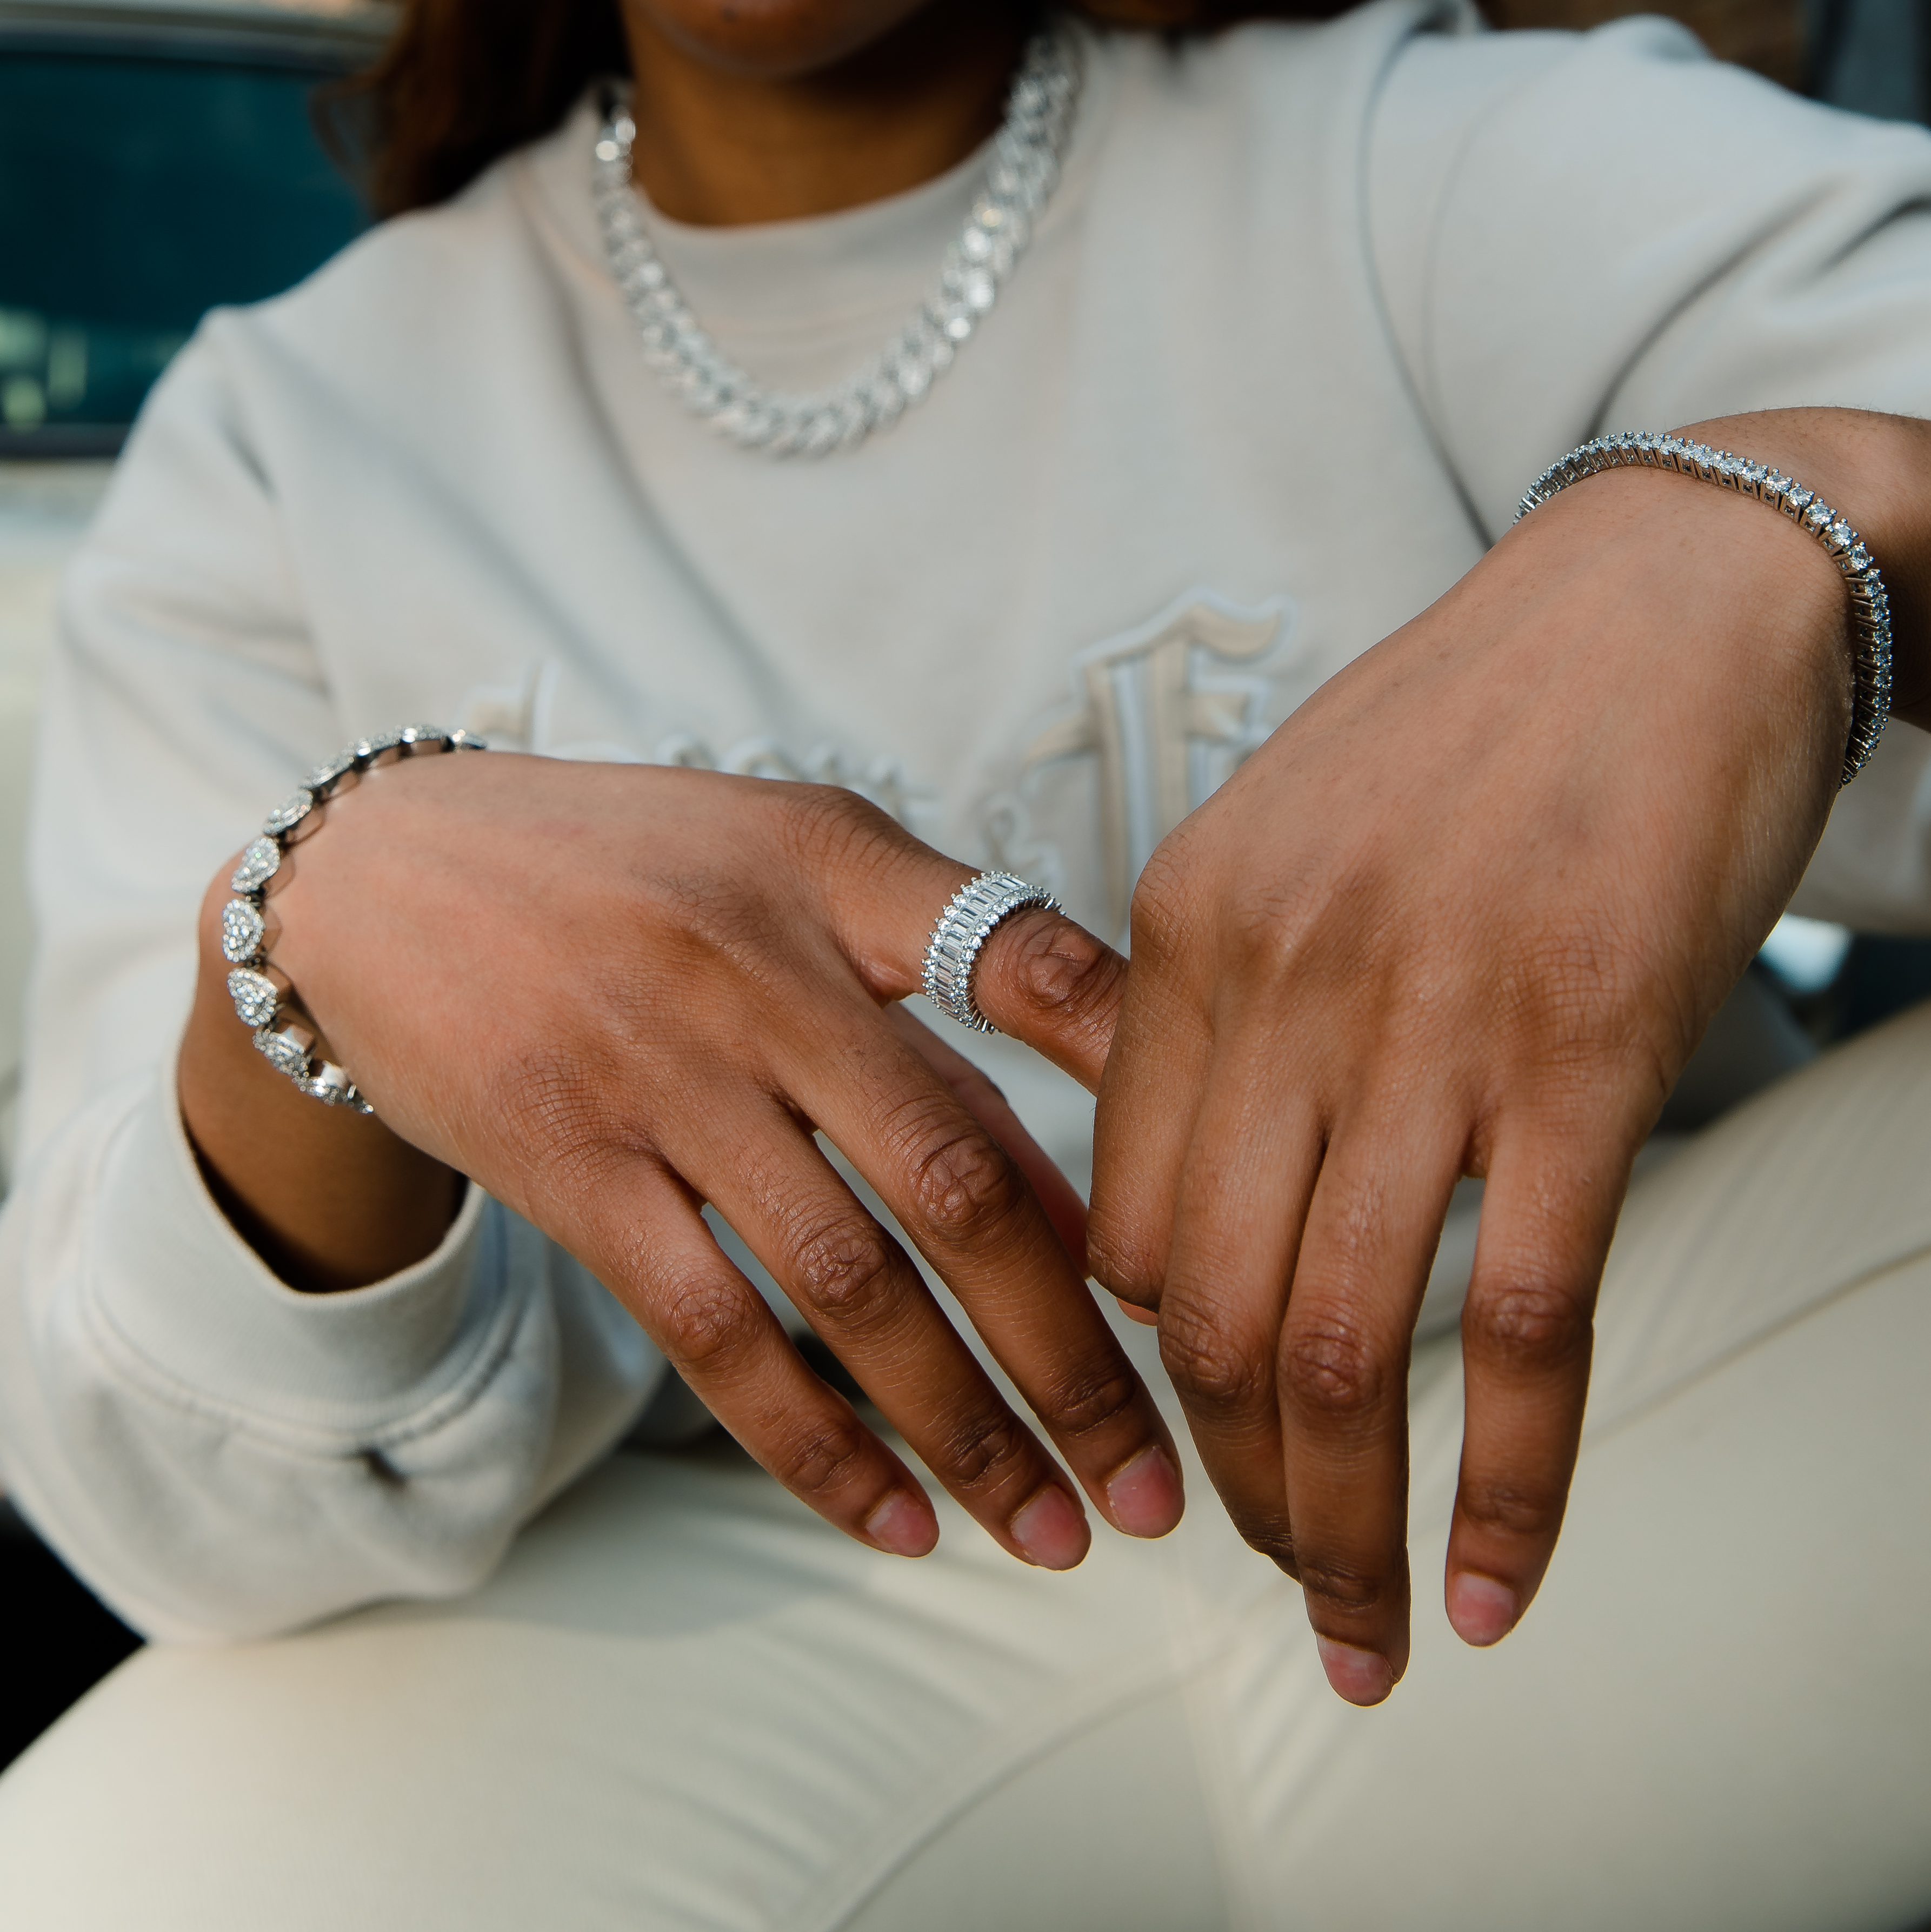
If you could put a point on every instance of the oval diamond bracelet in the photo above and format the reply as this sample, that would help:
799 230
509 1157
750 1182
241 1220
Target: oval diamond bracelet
261 992
1870 607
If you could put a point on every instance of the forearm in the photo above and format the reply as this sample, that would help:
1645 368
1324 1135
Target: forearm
329 1197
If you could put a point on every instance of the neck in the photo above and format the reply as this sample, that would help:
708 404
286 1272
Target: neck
722 149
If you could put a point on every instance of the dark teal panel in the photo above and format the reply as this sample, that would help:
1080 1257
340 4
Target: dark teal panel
135 195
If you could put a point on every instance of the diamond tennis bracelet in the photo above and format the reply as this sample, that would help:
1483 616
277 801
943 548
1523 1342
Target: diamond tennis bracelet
261 992
1870 607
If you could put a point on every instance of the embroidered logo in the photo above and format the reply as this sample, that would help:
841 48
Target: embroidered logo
1167 711
522 717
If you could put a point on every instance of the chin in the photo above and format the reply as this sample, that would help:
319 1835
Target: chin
774 40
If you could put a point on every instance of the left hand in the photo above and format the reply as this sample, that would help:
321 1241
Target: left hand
1467 912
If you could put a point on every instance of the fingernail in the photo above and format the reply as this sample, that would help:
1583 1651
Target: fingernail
1483 1611
1361 1676
1144 1497
1051 1531
899 1526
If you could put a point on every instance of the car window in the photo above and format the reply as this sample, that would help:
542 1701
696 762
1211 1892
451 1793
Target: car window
135 193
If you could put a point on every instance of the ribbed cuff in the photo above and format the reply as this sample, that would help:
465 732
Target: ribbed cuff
188 1296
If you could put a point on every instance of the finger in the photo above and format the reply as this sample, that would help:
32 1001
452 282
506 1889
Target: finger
962 1199
1372 1229
1149 1103
1142 1127
1242 1196
1051 983
1548 1212
1040 977
987 1105
863 1298
639 1232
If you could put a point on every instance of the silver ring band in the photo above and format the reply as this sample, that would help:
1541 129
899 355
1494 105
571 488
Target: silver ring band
952 954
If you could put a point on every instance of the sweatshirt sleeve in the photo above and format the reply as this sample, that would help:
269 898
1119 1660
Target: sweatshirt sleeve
218 1455
1580 234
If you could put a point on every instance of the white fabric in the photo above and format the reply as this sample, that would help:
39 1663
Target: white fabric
685 1705
1310 307
44 507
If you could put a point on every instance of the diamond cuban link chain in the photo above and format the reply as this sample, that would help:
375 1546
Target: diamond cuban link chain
1020 180
1870 607
261 993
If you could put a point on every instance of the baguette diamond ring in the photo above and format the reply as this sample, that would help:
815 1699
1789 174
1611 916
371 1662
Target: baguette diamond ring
976 911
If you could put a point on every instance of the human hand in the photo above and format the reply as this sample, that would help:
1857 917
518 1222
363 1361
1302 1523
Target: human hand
610 994
1467 911
973 1088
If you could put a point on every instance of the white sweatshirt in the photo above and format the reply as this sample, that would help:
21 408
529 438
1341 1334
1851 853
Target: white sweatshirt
1311 307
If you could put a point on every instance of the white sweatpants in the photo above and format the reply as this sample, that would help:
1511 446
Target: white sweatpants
685 1704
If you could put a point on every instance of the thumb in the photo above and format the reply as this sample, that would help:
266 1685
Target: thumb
1051 983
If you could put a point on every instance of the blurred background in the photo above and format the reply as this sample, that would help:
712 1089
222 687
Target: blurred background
1871 55
159 157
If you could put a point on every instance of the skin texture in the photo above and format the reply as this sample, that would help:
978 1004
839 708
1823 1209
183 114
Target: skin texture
1467 912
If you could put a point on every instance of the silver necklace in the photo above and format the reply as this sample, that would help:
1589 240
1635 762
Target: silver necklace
1019 181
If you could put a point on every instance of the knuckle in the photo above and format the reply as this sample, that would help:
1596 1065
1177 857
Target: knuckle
1158 916
965 1184
1116 1258
707 1324
1095 1395
1124 1254
1054 969
1527 1327
823 1458
1274 931
845 1269
977 1449
1272 1538
710 925
1514 1509
1344 1586
826 827
1269 948
1585 997
1216 1377
1329 1367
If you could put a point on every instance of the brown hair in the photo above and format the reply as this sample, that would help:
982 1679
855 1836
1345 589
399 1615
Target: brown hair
462 82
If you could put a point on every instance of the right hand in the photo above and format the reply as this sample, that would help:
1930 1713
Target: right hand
610 994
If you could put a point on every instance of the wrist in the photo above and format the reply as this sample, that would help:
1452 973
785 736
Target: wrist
1734 582
330 1198
1736 592
1876 470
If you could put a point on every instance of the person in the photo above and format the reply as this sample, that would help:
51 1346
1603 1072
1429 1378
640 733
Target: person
1165 562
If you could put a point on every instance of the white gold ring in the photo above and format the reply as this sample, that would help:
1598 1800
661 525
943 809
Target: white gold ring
952 954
